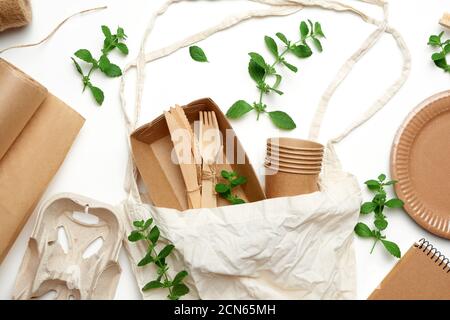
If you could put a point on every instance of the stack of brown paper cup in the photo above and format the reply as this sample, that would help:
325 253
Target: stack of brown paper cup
292 166
14 13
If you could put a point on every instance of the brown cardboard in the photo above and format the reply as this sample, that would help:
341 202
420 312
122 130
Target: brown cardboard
31 162
152 147
422 274
445 20
20 97
295 144
14 13
420 163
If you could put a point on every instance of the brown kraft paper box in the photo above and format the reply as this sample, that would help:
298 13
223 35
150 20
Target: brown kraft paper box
37 131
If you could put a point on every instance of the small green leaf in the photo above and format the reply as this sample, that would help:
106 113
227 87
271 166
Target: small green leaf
123 48
368 207
302 51
107 32
239 109
180 290
282 120
276 91
283 38
180 277
381 224
447 48
318 30
85 55
121 33
146 260
153 285
290 66
382 177
317 44
390 183
434 41
98 94
363 230
225 174
135 236
138 224
104 63
154 234
197 54
222 188
304 30
166 251
258 59
272 46
236 201
277 81
113 71
373 185
256 72
147 224
438 56
395 203
392 248
78 67
238 181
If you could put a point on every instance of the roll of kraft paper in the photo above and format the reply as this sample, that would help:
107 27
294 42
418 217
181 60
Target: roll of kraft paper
35 155
14 13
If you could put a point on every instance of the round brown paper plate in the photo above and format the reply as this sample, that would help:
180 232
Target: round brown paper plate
420 162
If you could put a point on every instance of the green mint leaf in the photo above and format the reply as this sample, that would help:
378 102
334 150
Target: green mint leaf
146 260
373 185
197 54
318 30
290 66
282 120
392 248
123 48
97 94
311 27
256 72
304 30
363 230
135 236
390 183
317 44
138 224
283 38
104 63
85 55
225 174
78 67
447 48
434 41
222 188
302 51
239 109
272 46
368 207
107 32
147 224
382 177
236 201
180 290
154 234
180 277
166 251
258 59
278 79
238 181
113 71
121 33
381 224
394 203
153 285
276 91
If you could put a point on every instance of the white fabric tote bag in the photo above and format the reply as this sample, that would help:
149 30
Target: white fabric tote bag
287 248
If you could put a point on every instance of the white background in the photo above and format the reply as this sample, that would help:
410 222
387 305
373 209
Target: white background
96 164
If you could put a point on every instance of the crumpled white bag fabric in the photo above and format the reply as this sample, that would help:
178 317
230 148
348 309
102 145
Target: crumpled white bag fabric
285 248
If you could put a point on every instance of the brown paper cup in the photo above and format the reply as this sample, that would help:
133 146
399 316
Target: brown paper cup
282 165
285 160
306 153
282 184
294 144
293 156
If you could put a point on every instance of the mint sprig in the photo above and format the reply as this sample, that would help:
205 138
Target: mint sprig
197 54
149 233
377 207
268 79
440 58
225 190
111 42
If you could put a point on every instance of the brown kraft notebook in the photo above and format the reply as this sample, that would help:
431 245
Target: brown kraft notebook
422 274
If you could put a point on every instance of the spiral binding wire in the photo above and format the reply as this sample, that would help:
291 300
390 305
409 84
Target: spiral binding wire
434 254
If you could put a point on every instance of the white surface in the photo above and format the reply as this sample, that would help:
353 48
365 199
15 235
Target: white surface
96 164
